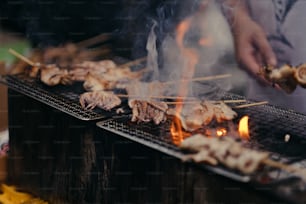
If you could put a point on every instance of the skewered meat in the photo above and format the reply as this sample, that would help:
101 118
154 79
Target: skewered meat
94 83
284 77
69 54
52 75
81 70
101 66
114 78
196 115
147 111
101 99
224 150
300 75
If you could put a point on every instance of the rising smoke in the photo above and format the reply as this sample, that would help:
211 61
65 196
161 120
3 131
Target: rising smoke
216 55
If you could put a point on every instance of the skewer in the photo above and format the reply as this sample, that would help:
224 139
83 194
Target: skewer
201 79
158 97
100 52
288 168
23 58
134 62
94 40
234 101
251 104
191 102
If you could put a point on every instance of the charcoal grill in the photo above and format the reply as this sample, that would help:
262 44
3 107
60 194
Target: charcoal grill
62 98
268 126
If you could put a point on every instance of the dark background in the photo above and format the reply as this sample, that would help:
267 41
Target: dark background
52 22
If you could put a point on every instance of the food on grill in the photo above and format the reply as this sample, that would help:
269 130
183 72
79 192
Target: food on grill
105 100
33 71
223 150
79 71
95 83
69 54
148 110
300 75
197 115
51 75
102 75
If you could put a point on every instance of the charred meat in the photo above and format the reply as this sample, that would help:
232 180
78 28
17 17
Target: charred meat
101 99
148 110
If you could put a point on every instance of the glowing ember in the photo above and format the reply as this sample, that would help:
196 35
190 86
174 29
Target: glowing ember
243 128
220 132
177 133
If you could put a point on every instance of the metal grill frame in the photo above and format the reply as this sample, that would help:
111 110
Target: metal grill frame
56 101
134 133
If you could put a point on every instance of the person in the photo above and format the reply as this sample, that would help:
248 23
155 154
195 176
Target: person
269 32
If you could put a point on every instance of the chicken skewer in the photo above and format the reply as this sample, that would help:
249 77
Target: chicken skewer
231 154
287 77
49 74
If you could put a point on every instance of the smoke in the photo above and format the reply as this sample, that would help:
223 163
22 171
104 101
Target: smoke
152 56
216 51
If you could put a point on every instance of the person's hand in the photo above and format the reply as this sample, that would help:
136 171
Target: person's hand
252 48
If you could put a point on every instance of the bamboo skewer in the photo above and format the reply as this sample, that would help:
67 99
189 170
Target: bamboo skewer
158 97
134 62
251 104
191 102
23 58
288 168
201 79
234 101
94 40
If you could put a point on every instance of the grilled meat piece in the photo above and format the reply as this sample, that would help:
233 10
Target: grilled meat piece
101 99
51 75
197 115
300 75
81 70
95 83
284 77
147 111
226 151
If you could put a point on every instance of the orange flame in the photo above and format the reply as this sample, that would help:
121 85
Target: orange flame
191 57
177 133
243 128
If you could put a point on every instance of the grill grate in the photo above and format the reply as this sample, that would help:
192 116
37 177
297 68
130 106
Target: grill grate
268 126
63 98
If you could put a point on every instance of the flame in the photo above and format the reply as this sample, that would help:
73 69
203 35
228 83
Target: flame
191 57
177 133
243 128
220 132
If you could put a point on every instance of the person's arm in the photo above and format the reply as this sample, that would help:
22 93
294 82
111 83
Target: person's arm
251 45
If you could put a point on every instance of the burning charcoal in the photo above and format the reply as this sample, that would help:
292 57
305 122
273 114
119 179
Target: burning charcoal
147 111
